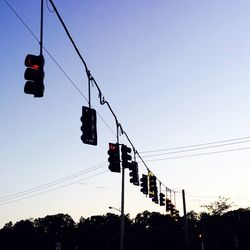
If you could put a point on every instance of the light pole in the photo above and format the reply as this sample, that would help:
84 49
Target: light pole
202 244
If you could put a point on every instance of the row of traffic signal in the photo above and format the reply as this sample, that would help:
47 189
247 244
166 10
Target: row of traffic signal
115 163
148 185
148 182
170 207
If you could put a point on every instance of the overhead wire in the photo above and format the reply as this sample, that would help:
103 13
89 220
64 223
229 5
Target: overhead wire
200 154
195 149
22 21
197 145
47 191
52 183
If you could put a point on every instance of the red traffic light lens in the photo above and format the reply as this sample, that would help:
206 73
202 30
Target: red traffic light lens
34 62
112 147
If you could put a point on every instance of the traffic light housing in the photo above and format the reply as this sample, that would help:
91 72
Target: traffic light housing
134 173
177 214
173 211
144 184
169 205
152 185
155 197
126 157
88 128
34 74
153 190
162 199
114 158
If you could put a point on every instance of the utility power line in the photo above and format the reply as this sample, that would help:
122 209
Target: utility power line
15 199
26 192
53 183
196 145
194 149
200 154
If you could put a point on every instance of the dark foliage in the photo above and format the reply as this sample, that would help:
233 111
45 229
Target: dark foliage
148 231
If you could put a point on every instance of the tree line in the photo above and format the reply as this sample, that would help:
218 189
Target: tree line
216 229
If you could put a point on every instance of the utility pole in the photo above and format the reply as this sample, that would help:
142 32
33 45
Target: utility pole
122 210
185 220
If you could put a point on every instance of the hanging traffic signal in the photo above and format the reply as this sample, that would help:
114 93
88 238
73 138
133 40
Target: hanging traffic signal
155 197
88 128
144 184
153 190
162 199
168 205
177 214
173 211
126 157
134 173
34 74
152 185
114 158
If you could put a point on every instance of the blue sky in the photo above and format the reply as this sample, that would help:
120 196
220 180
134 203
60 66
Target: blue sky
176 73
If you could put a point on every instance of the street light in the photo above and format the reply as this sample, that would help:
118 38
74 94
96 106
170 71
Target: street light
202 244
115 209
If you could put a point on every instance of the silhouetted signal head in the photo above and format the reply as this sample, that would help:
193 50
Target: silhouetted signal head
88 128
162 199
152 185
35 75
126 157
169 205
134 173
114 158
144 184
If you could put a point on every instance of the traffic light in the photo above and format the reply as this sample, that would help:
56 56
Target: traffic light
173 211
34 74
126 157
168 205
177 214
162 199
144 184
155 197
134 173
152 185
114 158
88 128
153 191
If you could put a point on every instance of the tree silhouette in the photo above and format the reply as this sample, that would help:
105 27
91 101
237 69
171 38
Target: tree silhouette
217 230
218 207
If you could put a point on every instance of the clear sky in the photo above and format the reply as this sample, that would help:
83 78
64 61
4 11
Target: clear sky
176 73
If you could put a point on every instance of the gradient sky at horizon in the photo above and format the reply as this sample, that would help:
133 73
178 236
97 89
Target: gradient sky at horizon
176 73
